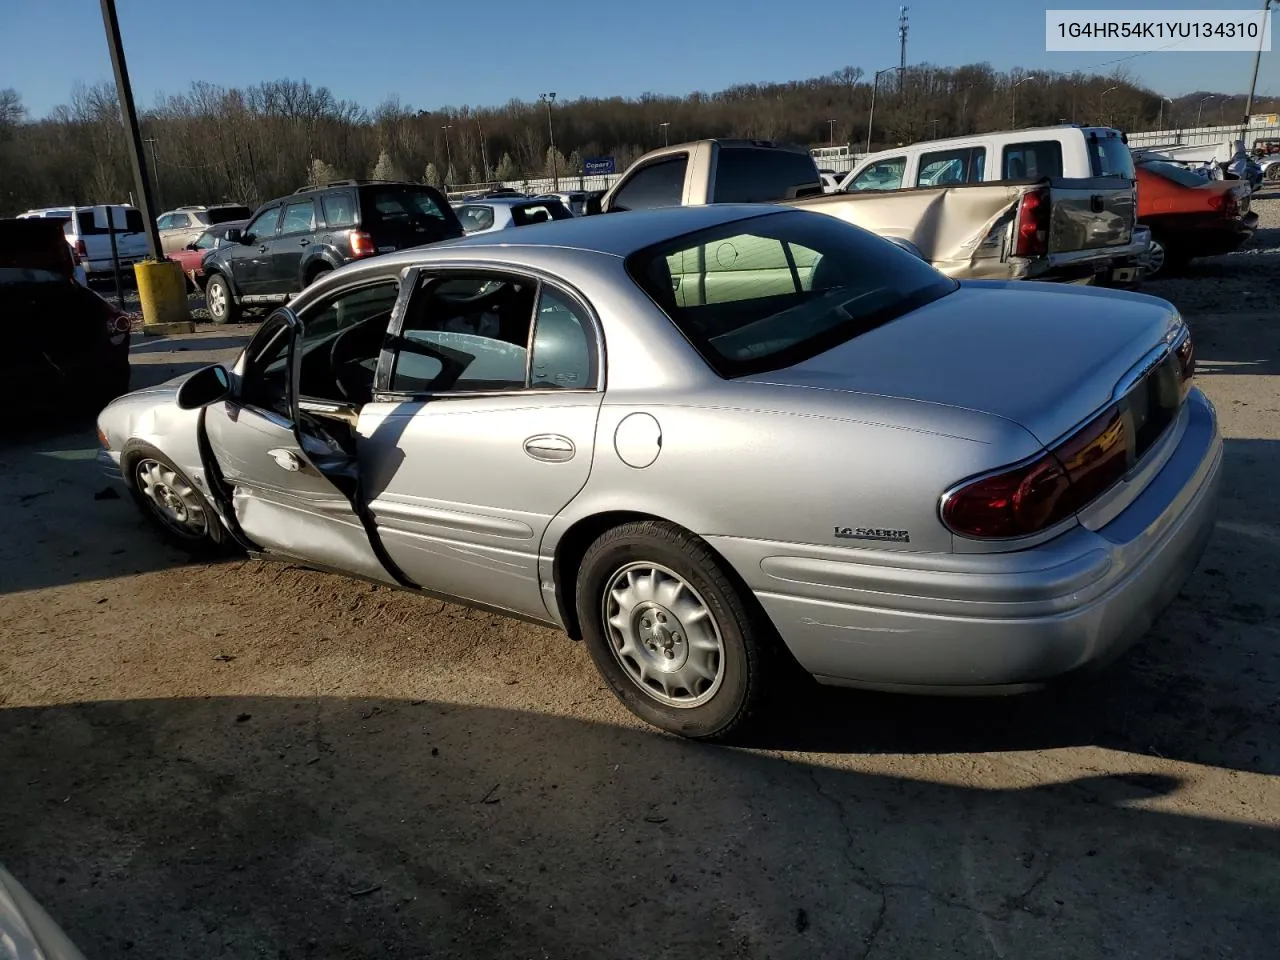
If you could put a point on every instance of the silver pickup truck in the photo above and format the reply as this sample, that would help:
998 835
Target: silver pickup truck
1044 229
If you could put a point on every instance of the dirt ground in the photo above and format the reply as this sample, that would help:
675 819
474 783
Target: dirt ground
253 760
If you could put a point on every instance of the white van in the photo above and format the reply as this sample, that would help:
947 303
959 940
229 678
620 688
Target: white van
1066 150
89 236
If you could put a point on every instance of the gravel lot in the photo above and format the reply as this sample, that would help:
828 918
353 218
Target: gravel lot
254 760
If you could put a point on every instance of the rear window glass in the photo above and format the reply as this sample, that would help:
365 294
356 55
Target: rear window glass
767 292
1109 156
404 206
763 175
132 219
1031 161
528 213
226 214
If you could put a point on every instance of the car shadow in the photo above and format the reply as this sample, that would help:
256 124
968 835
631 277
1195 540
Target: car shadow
331 827
144 345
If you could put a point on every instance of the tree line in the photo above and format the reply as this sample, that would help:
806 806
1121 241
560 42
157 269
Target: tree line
215 143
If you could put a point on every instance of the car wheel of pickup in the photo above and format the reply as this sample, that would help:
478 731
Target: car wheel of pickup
222 305
677 640
173 504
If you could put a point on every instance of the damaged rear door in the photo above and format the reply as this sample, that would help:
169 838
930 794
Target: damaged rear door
284 440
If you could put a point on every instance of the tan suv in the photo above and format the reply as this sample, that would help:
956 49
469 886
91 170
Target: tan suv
181 226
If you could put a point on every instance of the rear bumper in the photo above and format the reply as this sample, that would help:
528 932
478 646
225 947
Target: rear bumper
1076 265
958 622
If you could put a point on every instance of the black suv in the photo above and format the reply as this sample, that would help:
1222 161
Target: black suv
293 240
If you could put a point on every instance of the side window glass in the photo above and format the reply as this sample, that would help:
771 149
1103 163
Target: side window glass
660 184
263 226
181 220
951 166
299 217
475 217
564 353
165 222
466 332
339 209
881 175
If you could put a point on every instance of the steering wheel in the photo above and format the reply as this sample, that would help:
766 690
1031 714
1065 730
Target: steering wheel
348 353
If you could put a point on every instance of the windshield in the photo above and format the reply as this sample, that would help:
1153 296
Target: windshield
771 291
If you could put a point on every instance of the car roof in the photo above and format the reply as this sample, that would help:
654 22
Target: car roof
617 234
506 201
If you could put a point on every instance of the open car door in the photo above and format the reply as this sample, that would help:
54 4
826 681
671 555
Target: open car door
287 464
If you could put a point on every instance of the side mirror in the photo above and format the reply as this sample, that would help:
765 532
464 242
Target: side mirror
205 386
235 235
192 246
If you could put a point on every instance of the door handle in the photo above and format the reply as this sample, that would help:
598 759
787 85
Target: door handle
263 248
550 447
303 242
1096 203
286 459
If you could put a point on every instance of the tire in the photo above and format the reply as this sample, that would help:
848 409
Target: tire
1158 258
218 291
735 642
315 273
147 468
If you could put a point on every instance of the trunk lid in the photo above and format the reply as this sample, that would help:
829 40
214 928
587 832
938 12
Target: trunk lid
1041 355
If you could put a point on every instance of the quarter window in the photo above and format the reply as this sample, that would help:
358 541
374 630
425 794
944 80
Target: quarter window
263 226
563 346
881 175
1031 161
339 209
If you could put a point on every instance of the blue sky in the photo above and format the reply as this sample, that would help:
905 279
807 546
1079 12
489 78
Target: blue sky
434 53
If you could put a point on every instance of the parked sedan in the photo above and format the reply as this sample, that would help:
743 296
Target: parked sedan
191 257
1190 216
502 213
712 442
27 932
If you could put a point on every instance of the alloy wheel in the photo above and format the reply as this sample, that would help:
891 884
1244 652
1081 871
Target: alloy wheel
1155 258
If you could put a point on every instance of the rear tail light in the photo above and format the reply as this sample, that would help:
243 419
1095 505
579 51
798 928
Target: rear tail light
82 252
1034 496
361 244
1032 225
1228 203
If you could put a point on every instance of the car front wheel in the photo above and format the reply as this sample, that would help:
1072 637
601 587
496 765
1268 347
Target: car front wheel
171 501
222 305
680 643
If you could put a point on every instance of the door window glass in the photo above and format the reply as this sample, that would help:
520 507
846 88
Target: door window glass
180 221
881 175
465 332
263 226
299 217
1031 161
945 167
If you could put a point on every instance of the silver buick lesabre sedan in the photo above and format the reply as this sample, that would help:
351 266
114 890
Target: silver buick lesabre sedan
713 443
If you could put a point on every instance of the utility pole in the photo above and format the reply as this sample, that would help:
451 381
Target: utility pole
1257 58
831 133
448 153
134 140
549 99
1199 107
1013 111
1160 121
155 169
666 138
1102 100
484 153
902 47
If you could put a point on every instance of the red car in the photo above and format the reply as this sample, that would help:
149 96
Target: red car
191 257
1189 215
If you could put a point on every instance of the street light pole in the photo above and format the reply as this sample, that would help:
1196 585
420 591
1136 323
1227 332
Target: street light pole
871 120
1160 122
1013 109
666 137
1102 100
484 153
831 124
1199 107
549 99
1257 58
136 160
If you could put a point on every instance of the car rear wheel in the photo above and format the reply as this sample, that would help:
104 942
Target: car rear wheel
222 305
171 501
679 642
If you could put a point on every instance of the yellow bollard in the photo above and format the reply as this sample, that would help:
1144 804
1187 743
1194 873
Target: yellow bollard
162 291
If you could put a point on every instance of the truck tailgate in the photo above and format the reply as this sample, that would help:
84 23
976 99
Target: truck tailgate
1091 214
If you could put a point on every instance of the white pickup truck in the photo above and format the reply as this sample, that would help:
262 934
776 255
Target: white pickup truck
1036 224
88 234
